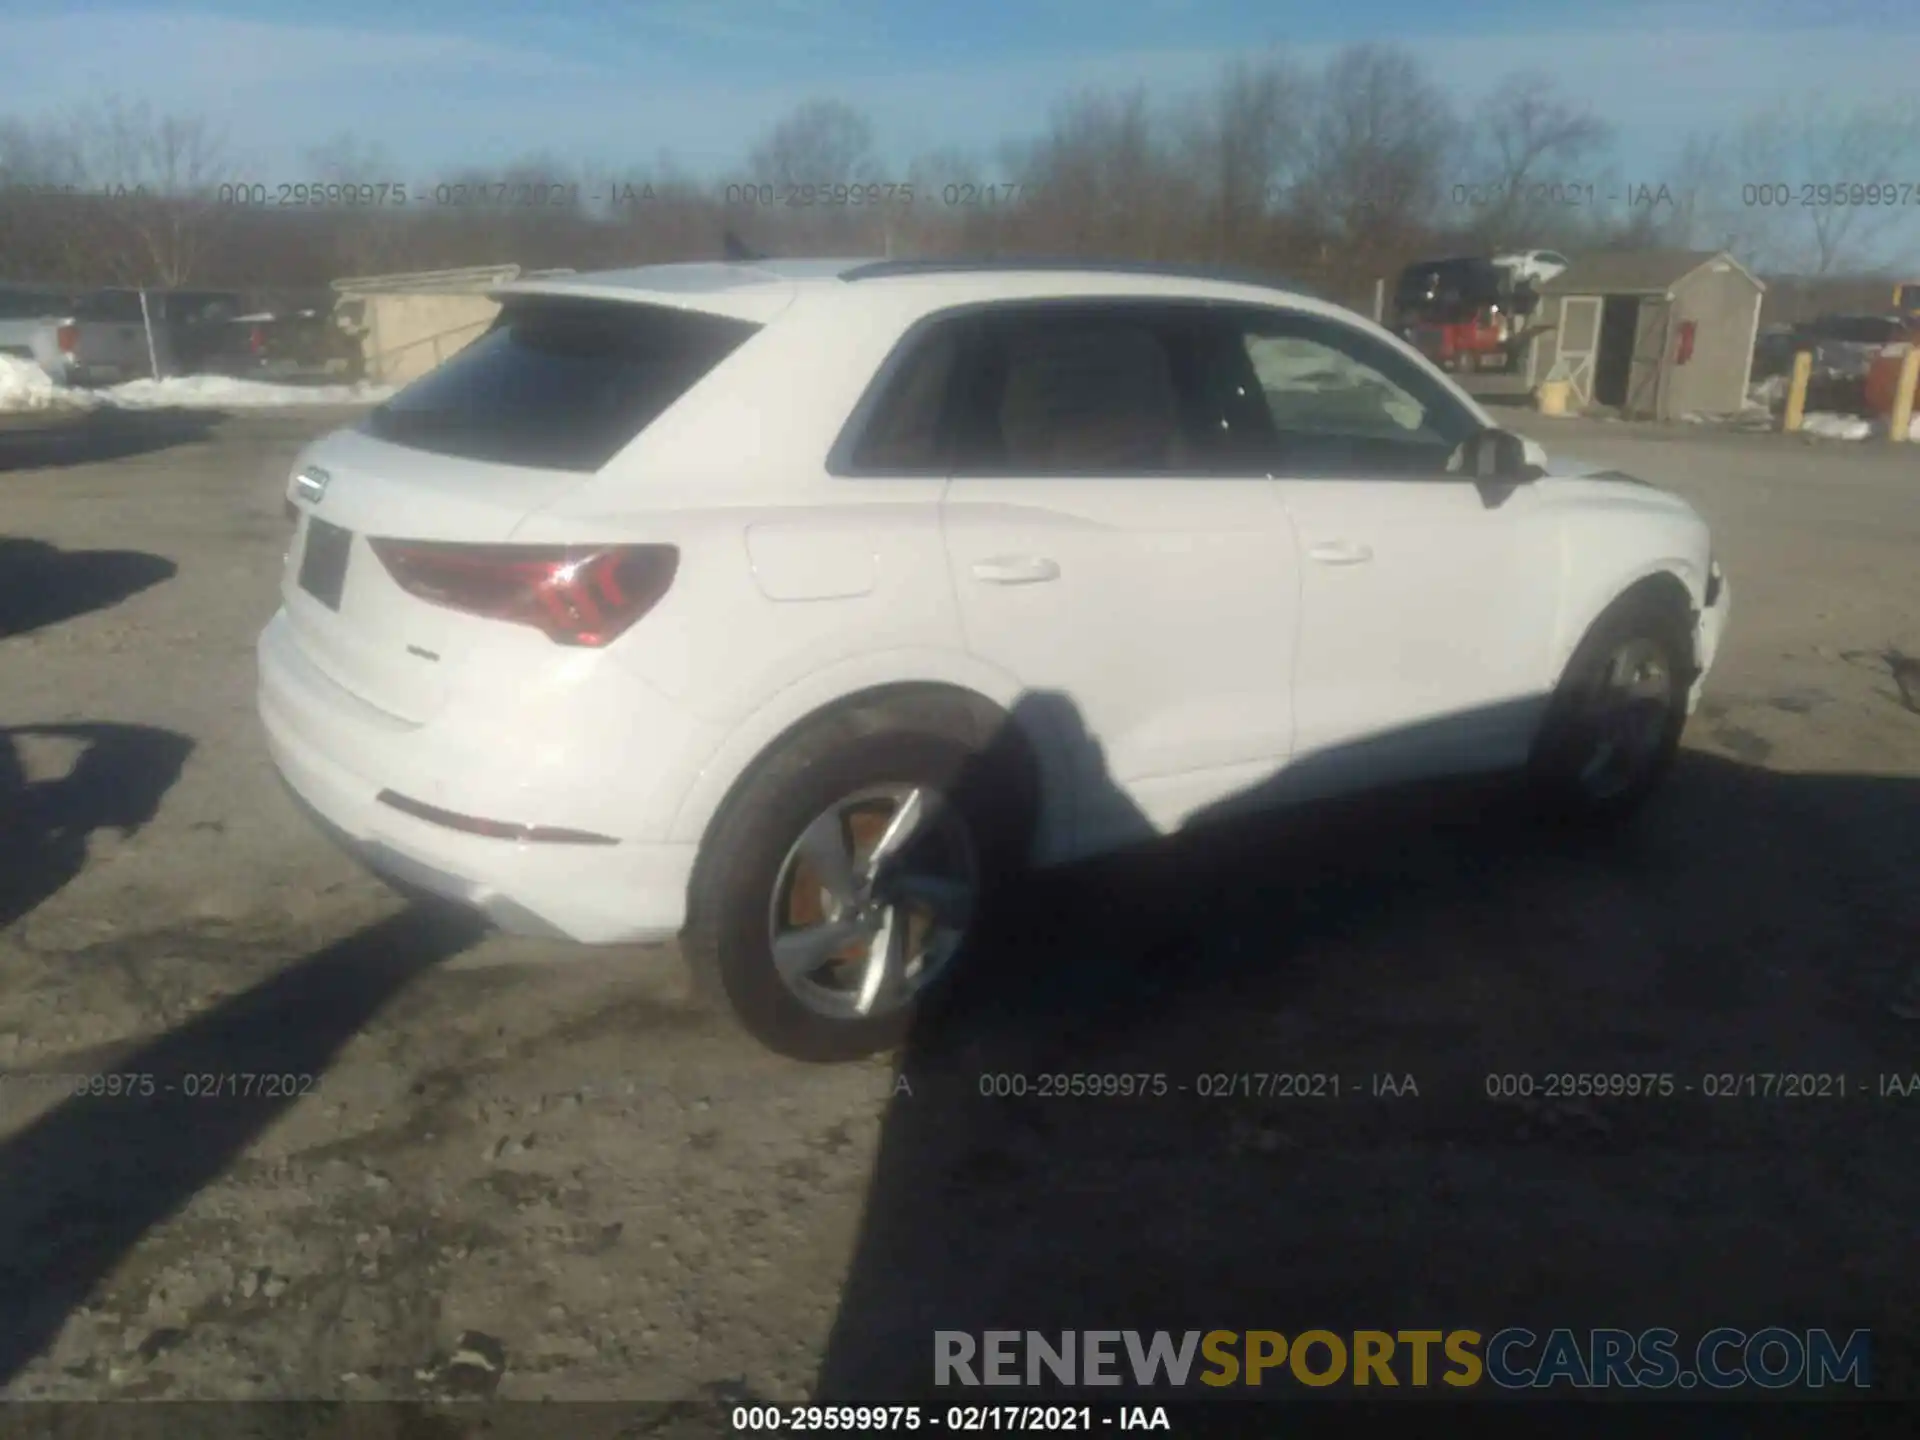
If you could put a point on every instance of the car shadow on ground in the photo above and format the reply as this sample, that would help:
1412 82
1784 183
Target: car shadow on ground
115 782
41 584
1323 1019
99 435
94 1174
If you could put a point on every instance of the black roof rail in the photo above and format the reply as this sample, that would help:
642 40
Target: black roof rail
964 265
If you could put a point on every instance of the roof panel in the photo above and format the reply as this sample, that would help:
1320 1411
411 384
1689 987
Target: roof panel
1629 272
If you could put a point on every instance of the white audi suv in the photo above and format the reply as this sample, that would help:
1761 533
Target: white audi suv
792 607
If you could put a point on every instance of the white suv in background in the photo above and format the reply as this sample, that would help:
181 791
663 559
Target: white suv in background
1533 267
790 606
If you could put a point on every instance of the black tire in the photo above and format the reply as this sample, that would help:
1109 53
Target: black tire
1659 619
963 750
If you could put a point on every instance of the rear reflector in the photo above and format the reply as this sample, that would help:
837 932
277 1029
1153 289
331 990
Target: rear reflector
492 829
572 595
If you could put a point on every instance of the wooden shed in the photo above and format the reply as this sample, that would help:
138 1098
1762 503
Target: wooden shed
408 323
1654 334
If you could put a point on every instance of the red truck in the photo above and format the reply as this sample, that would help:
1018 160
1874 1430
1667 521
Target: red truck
1463 314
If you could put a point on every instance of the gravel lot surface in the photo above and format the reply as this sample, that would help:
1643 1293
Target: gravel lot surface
595 1191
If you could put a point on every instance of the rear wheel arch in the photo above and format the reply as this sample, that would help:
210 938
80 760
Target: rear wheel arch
744 894
937 707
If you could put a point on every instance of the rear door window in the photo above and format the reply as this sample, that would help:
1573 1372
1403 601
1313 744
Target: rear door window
559 383
110 307
1072 390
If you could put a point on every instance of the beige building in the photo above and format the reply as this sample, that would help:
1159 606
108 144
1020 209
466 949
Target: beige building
407 324
1654 334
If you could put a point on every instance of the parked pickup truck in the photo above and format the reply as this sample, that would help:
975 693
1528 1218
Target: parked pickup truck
288 337
88 338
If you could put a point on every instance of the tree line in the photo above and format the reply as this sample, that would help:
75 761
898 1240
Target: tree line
1332 176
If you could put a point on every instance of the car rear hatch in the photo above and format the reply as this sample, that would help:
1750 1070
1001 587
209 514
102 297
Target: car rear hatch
443 474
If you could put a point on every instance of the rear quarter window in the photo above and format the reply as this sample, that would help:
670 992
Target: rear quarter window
560 384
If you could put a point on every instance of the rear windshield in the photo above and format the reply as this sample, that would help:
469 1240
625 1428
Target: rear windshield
561 384
116 307
32 304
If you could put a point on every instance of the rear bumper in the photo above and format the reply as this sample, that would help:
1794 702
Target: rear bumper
82 374
336 765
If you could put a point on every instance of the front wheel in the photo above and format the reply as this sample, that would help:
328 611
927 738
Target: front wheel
1614 724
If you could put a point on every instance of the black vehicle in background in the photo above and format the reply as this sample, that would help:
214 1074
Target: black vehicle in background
197 325
270 337
1844 347
1848 344
1461 313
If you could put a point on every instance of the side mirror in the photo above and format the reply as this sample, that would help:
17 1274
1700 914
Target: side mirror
1493 455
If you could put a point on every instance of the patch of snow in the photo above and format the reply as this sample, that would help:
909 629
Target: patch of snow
1853 427
1770 392
222 392
25 386
1829 426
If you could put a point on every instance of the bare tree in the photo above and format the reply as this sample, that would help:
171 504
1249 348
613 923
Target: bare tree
1810 187
928 223
1525 145
368 232
39 155
1099 179
1379 140
1242 140
154 176
40 209
346 158
823 142
810 160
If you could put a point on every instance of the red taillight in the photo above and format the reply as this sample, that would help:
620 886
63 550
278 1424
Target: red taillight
573 595
67 337
256 340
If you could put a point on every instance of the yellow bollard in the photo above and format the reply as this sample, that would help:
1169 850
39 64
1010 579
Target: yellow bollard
1797 392
1902 416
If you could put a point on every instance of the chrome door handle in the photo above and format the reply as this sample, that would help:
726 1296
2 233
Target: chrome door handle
1016 570
1341 552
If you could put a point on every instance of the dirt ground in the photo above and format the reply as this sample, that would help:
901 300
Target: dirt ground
596 1191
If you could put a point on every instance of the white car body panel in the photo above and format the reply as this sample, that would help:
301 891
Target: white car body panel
1419 652
1203 648
1166 610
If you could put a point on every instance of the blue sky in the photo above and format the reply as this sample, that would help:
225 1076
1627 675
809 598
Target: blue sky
594 81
